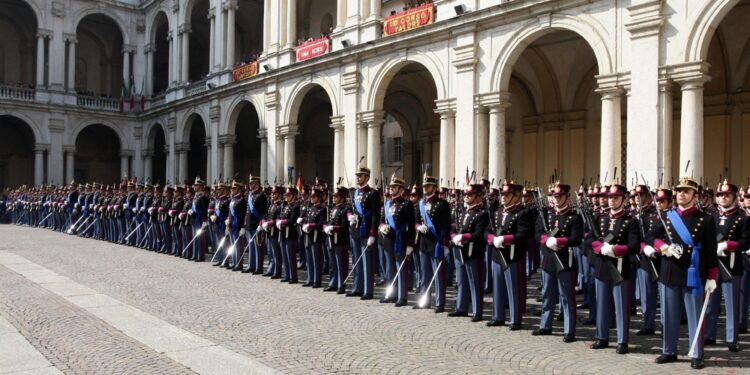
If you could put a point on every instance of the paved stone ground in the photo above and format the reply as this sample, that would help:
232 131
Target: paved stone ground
290 328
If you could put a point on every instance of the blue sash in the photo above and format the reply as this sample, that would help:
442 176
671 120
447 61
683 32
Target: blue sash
693 276
398 248
428 221
251 207
361 211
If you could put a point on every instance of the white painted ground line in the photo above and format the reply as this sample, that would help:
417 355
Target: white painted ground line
200 355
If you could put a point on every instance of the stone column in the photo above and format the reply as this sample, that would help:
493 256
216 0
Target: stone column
171 71
374 121
149 51
124 162
497 140
291 23
209 162
266 25
138 154
212 38
610 126
185 34
39 149
228 141
171 142
337 124
666 124
288 132
263 136
72 63
40 60
214 118
148 156
231 7
183 155
375 8
340 14
691 127
481 140
70 152
55 154
445 108
126 67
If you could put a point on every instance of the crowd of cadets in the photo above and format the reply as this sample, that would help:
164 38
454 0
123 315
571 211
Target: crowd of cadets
609 243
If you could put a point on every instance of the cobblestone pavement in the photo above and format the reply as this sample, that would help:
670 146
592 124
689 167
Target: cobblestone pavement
301 330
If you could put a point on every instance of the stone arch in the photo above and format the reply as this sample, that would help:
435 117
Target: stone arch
39 136
298 94
152 23
390 68
234 109
124 145
148 131
183 131
586 27
103 11
705 22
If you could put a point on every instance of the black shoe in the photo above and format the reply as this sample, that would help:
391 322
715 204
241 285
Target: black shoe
341 291
330 289
709 342
622 349
316 286
569 338
246 271
366 297
583 306
354 294
697 363
477 318
439 309
733 347
388 300
458 314
268 274
235 269
293 282
305 285
216 264
275 277
257 272
515 327
495 323
400 303
645 332
600 344
666 358
541 332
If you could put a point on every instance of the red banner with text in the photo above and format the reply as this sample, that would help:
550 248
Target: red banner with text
245 71
312 49
409 19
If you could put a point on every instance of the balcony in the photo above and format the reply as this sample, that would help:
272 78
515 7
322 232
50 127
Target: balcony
98 103
195 88
15 92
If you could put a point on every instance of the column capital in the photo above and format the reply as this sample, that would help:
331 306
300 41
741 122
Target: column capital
149 48
646 18
227 139
128 48
184 28
337 123
263 134
609 85
126 153
691 74
371 118
446 107
182 147
148 153
229 5
494 101
69 149
288 130
211 13
44 33
70 38
41 147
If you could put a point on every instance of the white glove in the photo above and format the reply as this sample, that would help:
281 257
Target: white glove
370 241
278 224
498 242
150 210
383 229
227 222
457 240
305 227
710 286
649 251
328 229
721 249
607 250
265 225
226 231
422 229
213 218
446 252
747 253
674 250
125 206
551 243
190 212
204 225
299 220
409 250
352 219
134 210
242 232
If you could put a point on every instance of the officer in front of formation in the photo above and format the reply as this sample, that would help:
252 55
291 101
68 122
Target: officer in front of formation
234 222
619 239
559 234
434 227
689 266
398 239
470 243
363 223
733 236
257 206
512 226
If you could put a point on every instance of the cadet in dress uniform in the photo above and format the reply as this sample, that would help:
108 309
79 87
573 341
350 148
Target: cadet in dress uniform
70 203
619 239
178 203
398 238
312 226
564 230
199 212
688 265
186 222
236 210
337 230
648 271
269 225
733 236
434 226
470 244
422 270
218 212
257 206
513 226
364 222
288 237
